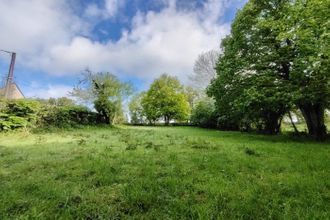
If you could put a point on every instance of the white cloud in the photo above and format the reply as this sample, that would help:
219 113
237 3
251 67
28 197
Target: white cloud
112 6
92 10
36 90
49 36
31 27
110 9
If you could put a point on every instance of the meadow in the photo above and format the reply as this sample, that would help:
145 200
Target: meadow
162 173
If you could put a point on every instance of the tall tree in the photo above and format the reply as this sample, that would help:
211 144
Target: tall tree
305 28
192 95
105 91
250 88
166 98
204 69
271 62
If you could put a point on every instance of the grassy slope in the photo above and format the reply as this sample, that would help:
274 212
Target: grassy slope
146 172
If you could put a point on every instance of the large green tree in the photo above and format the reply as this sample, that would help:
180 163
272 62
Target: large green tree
166 98
305 34
269 64
105 91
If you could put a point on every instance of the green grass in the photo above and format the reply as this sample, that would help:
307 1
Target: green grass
162 173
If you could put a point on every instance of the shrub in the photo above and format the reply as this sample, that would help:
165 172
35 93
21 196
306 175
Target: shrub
203 114
18 113
41 113
8 122
66 116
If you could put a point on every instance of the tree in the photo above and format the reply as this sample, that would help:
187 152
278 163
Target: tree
105 91
246 92
306 31
203 114
204 69
62 101
165 98
136 109
271 62
192 95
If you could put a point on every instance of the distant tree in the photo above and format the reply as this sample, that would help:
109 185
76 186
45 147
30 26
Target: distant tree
62 101
105 91
203 114
204 69
136 109
192 95
166 98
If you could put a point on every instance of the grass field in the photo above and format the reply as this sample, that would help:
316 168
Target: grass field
162 173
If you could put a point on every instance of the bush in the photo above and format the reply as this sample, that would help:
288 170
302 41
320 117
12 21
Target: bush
203 114
32 113
66 116
8 122
18 113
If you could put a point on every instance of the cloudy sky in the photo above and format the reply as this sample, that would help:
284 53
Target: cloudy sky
137 40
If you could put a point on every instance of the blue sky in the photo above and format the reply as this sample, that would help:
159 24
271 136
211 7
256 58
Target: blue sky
137 40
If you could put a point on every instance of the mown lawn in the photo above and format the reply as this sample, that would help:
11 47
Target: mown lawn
162 173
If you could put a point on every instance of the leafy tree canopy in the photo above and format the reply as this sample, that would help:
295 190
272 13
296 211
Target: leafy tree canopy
271 61
105 91
166 98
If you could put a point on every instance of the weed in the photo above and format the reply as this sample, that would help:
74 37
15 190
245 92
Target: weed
131 146
149 145
250 152
200 144
82 142
41 139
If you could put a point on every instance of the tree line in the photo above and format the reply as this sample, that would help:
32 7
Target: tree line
274 62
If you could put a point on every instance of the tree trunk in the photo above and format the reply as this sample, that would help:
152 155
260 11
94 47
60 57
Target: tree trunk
293 124
314 117
167 120
273 124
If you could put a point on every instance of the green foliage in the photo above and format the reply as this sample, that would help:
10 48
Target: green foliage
23 108
62 101
66 116
106 108
105 91
18 113
203 114
10 122
44 113
136 109
192 95
271 61
166 98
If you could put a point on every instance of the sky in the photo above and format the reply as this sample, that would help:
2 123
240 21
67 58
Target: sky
137 40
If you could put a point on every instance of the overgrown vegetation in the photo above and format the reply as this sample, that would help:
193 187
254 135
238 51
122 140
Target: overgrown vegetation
106 92
29 114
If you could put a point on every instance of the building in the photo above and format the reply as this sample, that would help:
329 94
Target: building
14 92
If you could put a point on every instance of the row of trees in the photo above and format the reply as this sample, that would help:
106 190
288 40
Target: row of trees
276 59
